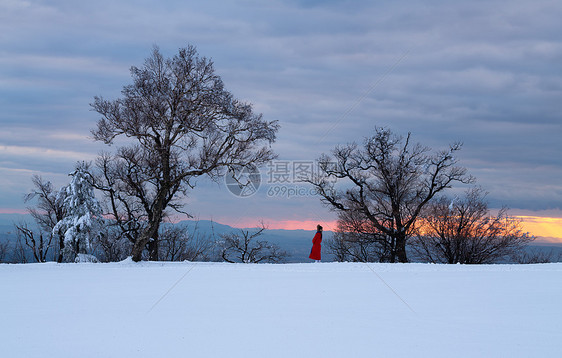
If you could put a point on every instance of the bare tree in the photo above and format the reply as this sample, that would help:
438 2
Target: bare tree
19 254
242 247
4 247
358 240
111 245
49 210
537 256
390 182
39 242
464 231
128 217
179 244
183 124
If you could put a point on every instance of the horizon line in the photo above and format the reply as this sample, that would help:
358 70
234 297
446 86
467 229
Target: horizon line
546 229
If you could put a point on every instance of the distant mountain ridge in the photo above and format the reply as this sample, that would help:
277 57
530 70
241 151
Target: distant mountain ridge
10 219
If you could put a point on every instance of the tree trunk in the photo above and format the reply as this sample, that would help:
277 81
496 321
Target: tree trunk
61 249
145 239
401 249
153 248
392 254
150 235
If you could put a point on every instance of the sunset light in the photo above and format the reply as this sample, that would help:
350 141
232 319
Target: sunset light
544 228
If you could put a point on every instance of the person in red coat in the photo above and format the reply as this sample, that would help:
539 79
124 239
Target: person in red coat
316 244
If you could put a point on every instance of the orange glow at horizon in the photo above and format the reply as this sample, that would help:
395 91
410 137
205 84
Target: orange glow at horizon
14 211
302 225
287 224
546 229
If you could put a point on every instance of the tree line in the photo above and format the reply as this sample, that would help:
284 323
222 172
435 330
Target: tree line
176 122
391 206
69 226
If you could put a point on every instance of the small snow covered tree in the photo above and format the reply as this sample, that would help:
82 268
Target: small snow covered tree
83 220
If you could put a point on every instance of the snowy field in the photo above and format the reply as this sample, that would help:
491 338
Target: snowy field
293 310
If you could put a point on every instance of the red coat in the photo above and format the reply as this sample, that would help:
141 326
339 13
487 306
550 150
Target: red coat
316 246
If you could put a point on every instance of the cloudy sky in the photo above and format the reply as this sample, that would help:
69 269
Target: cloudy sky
487 73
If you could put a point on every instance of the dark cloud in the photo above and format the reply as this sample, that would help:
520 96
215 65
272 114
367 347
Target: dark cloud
486 73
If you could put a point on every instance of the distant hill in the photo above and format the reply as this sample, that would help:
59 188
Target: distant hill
10 219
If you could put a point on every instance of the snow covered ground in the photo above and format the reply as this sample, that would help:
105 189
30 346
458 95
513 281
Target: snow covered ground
293 310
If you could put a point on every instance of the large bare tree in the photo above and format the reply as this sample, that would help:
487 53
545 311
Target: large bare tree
181 124
387 182
464 230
